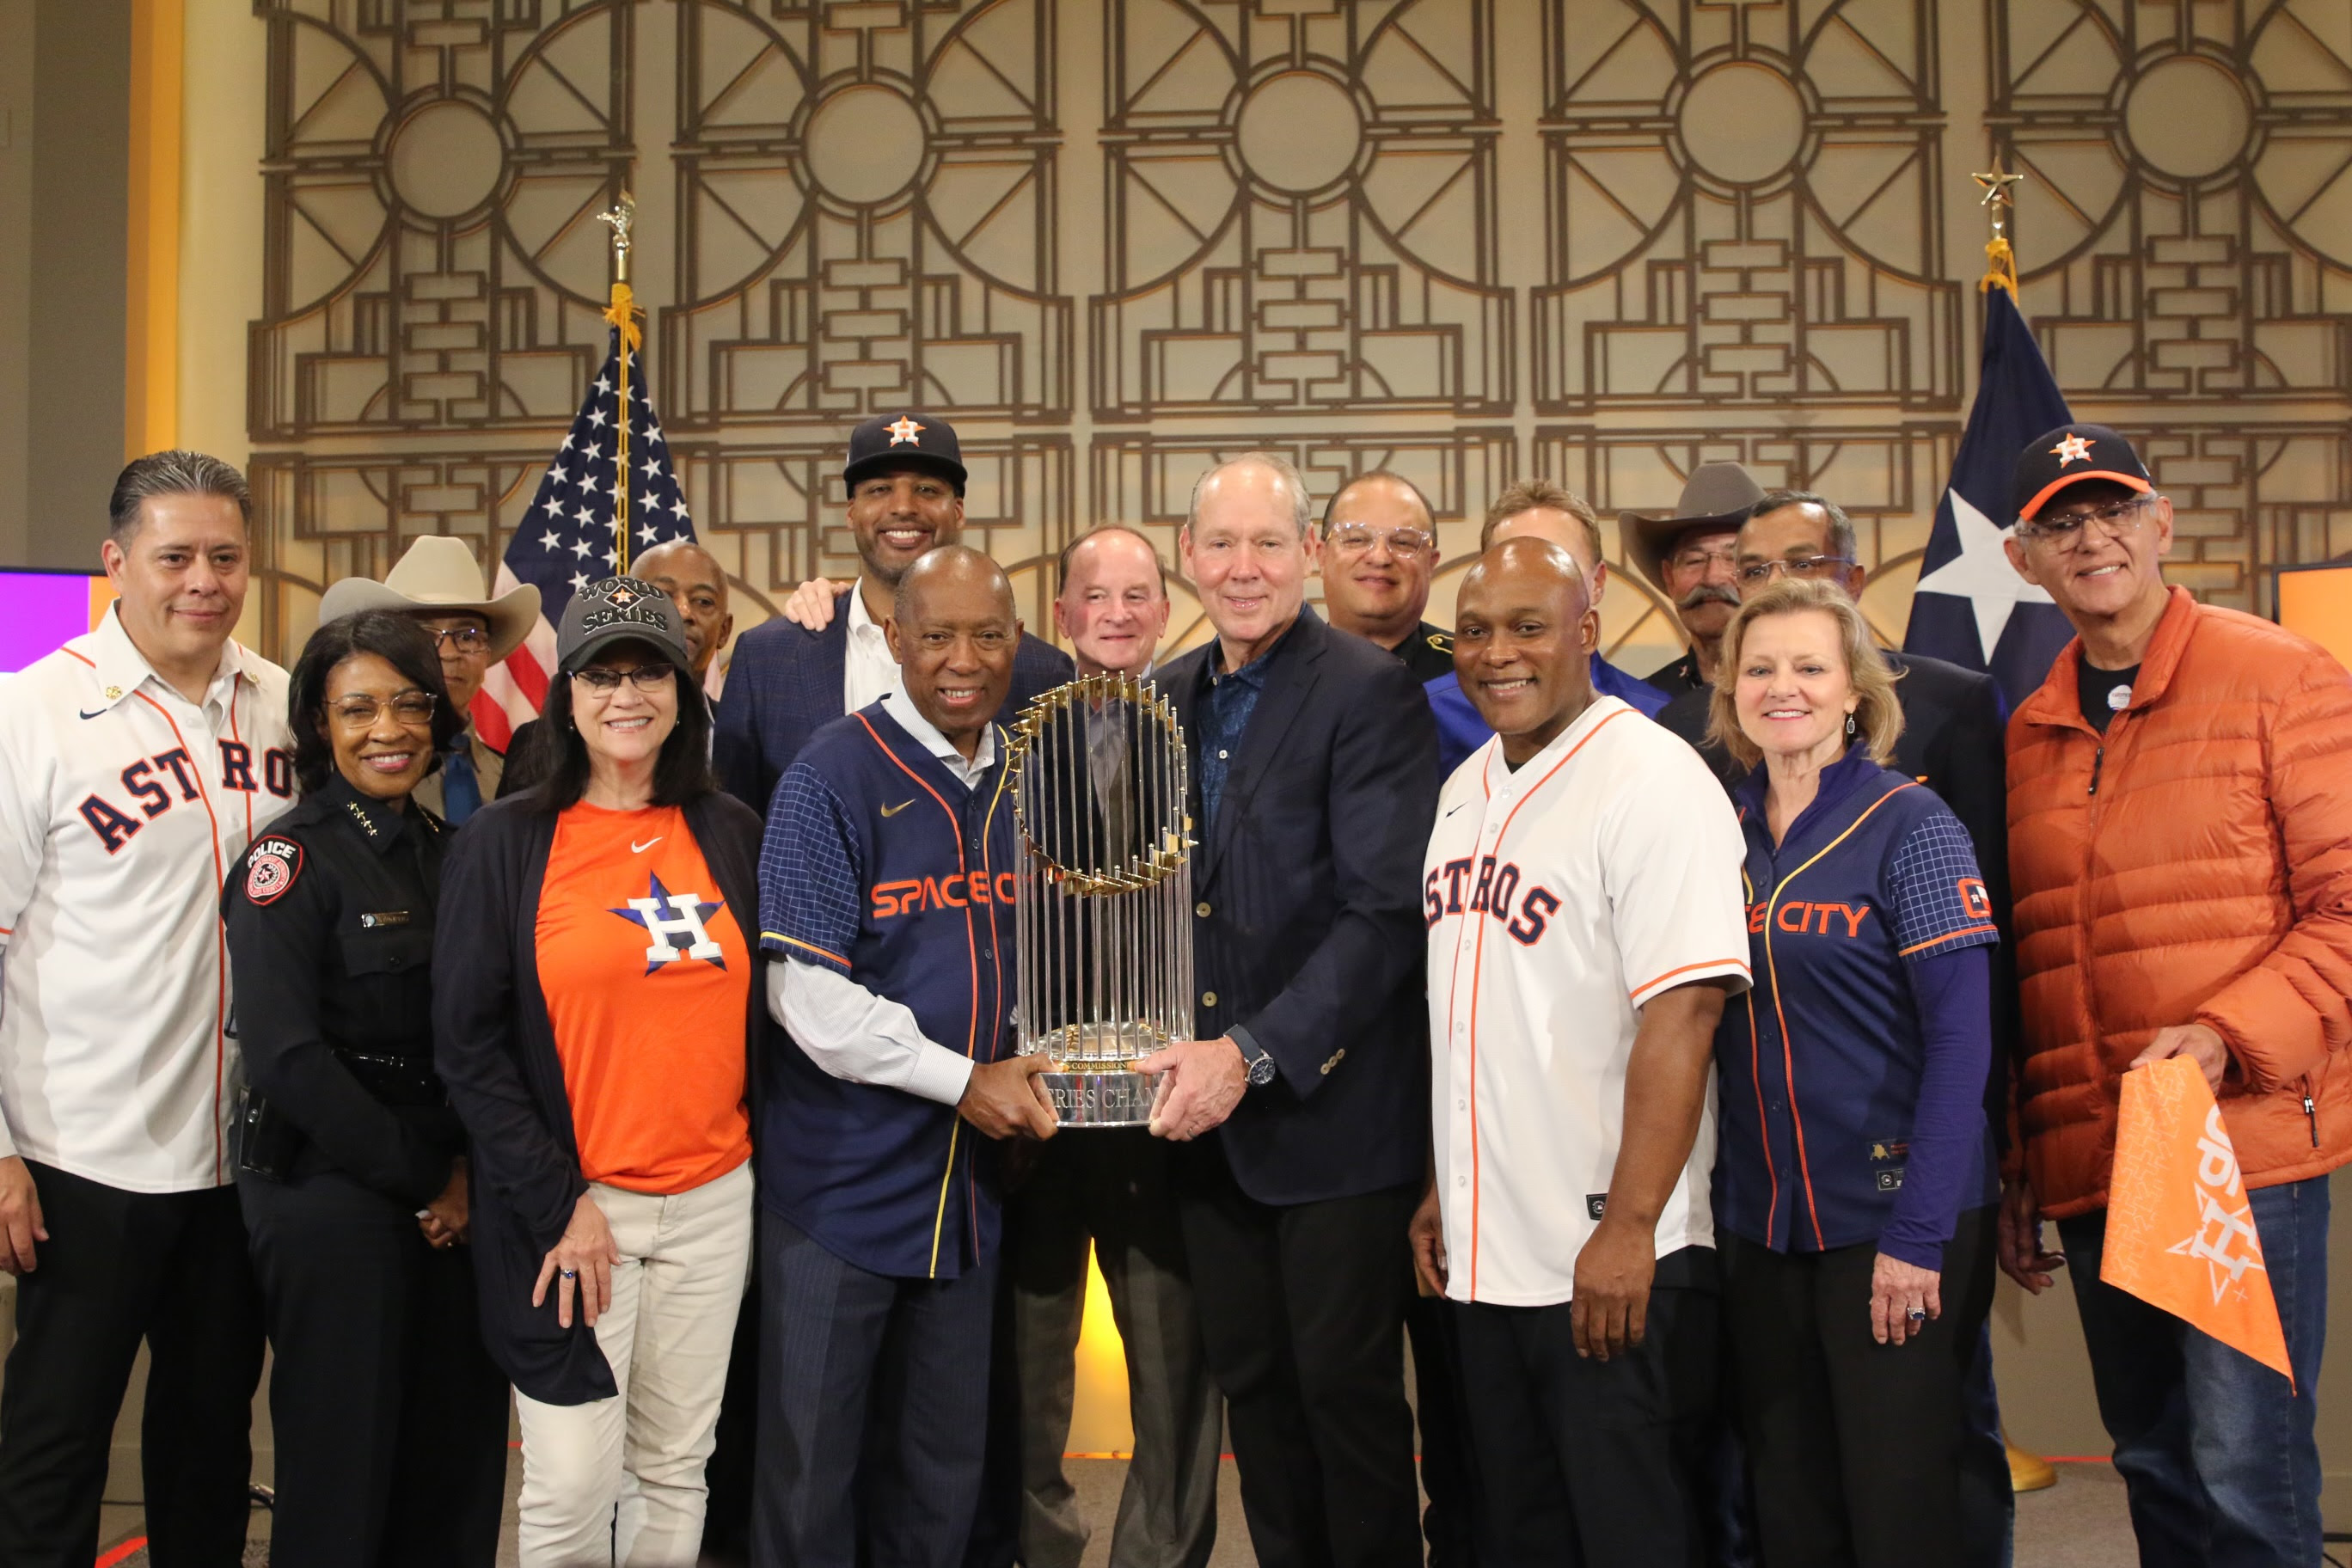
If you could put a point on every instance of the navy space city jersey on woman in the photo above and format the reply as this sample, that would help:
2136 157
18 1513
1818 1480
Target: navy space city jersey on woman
880 864
1821 1064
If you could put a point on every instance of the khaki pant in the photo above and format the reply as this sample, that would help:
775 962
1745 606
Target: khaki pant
684 1260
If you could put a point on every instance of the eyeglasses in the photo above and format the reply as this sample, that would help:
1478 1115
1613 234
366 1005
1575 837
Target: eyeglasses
604 682
2063 530
1702 560
1756 573
413 709
469 639
1352 541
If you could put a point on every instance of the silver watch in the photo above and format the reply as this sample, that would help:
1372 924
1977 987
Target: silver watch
1260 1064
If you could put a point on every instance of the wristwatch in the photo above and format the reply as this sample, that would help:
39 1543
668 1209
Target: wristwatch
1260 1064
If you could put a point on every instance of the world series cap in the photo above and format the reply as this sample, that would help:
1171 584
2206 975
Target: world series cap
2069 455
617 610
888 442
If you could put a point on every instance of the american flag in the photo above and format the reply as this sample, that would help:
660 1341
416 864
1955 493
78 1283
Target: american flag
565 541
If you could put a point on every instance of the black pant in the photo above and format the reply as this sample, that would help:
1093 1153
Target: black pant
1583 1462
1302 1315
730 1474
1445 1524
872 1409
120 1267
389 1418
1856 1446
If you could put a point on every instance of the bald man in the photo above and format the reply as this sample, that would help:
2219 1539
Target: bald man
878 1251
697 585
1584 1320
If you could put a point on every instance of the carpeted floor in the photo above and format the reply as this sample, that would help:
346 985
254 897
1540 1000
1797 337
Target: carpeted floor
2078 1523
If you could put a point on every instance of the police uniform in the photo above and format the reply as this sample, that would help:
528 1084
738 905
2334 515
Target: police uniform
122 806
887 882
1828 1159
1561 897
1427 651
390 1420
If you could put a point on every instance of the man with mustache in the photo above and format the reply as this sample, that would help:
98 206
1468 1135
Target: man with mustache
1692 555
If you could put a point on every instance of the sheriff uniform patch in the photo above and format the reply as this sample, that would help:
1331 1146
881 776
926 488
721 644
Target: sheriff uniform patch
271 868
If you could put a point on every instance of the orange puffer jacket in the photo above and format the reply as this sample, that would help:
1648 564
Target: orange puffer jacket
2195 865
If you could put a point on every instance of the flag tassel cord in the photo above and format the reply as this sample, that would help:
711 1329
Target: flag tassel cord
623 315
2000 267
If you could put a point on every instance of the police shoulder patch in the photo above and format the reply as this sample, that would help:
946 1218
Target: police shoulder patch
270 869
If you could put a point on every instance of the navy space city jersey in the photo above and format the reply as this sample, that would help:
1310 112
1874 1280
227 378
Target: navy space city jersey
880 863
1819 1065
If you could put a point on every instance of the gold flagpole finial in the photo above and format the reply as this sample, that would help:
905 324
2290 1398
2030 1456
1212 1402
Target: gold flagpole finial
1997 199
623 314
623 217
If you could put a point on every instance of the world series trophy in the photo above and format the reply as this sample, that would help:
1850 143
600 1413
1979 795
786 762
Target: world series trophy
1104 913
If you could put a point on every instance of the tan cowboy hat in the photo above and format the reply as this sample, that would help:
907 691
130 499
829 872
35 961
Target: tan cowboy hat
438 577
1717 497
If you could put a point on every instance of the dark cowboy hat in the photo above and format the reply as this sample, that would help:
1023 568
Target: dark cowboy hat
1716 498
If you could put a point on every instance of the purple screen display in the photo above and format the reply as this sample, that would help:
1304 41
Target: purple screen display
44 610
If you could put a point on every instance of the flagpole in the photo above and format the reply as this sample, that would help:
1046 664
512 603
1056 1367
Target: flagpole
623 315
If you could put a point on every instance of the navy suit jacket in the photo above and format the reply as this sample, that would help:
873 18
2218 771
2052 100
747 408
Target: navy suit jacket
785 684
1312 938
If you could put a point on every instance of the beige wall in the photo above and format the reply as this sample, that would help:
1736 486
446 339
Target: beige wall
64 150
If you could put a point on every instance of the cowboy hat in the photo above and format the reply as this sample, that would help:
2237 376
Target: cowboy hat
437 577
1717 496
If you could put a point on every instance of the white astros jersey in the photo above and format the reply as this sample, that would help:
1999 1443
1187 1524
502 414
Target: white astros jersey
122 806
1559 898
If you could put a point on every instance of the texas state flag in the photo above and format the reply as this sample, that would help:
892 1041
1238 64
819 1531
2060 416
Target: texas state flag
1972 607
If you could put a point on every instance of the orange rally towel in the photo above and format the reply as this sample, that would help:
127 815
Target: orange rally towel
2180 1229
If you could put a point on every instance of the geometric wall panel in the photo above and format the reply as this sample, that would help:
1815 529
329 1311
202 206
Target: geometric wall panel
1744 205
2186 229
866 199
430 259
1602 241
1300 211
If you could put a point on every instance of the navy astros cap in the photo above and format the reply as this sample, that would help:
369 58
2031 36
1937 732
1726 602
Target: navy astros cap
2070 454
888 442
618 609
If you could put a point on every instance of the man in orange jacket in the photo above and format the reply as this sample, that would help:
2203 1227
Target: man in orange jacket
2180 850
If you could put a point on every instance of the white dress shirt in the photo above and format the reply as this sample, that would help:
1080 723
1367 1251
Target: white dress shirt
868 672
848 1030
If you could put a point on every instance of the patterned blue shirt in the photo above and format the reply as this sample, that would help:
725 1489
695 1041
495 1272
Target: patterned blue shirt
1225 718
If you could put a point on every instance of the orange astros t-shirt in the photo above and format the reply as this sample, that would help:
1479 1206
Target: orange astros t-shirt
647 979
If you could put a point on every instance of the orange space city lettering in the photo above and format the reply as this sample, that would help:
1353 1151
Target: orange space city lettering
956 891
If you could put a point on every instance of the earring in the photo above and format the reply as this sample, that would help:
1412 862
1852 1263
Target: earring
1849 726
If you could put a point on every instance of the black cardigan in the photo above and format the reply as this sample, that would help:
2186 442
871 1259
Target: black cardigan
496 1051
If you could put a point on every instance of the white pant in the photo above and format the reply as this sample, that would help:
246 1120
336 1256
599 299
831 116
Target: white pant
676 1291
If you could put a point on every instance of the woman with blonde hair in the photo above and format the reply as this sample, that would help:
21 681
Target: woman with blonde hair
1855 1176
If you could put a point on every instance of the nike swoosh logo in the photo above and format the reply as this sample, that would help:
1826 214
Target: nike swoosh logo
637 848
895 810
1457 808
94 712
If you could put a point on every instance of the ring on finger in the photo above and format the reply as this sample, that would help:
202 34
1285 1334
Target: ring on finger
1917 1314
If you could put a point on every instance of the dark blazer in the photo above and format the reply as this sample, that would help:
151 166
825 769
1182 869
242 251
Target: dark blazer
495 1050
1953 742
786 680
1313 937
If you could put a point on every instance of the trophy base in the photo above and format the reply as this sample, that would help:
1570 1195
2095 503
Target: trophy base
1117 1098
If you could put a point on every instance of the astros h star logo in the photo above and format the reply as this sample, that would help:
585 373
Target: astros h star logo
675 922
904 429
